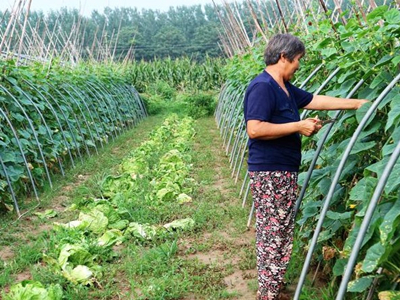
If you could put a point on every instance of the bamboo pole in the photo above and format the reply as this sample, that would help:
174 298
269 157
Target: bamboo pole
258 27
282 16
269 19
9 25
116 40
227 37
15 23
326 13
21 42
241 27
299 8
265 25
361 10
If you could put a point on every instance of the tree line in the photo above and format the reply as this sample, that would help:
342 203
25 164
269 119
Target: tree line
146 34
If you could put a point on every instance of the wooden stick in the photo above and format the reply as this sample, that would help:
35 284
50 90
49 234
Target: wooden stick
21 42
258 27
282 17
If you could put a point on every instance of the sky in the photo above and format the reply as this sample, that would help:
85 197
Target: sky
87 6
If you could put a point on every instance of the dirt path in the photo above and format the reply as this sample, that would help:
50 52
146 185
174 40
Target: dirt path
233 247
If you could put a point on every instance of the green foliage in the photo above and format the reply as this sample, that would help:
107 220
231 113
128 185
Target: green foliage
361 50
82 246
31 290
185 31
200 105
58 117
181 74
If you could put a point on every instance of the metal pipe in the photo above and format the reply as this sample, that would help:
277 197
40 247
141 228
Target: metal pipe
14 199
78 126
67 121
318 151
50 106
366 221
49 132
33 132
64 87
334 182
28 170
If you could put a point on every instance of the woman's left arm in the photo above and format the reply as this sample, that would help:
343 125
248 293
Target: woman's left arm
320 102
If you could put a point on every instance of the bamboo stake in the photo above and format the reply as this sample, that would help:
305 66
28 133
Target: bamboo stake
299 8
269 19
10 22
116 40
231 24
277 23
265 25
241 27
101 41
361 10
94 42
229 41
326 13
258 27
16 21
24 30
282 17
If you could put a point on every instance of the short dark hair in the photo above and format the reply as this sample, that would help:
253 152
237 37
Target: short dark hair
288 45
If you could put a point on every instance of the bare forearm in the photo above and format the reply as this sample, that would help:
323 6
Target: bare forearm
321 102
268 131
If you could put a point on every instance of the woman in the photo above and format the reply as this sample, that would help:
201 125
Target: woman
274 127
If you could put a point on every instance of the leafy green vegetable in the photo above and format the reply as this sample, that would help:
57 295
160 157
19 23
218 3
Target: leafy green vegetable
34 290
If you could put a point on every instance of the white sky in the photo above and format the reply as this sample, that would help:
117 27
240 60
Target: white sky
87 6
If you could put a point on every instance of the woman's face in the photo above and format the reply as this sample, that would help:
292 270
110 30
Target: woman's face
291 67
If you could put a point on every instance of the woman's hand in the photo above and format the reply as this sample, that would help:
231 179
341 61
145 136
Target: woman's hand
309 126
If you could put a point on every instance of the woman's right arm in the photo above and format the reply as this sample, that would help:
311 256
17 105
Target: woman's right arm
257 129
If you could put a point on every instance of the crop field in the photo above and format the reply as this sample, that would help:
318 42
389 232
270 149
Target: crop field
126 179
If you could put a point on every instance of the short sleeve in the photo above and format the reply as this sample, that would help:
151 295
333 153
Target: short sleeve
259 102
301 97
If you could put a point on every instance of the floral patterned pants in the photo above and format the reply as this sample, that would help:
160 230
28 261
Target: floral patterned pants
274 196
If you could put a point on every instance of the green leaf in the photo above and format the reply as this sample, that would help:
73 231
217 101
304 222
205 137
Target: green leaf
110 238
363 190
383 61
96 221
339 216
9 156
390 223
34 290
392 16
348 47
359 285
328 52
141 231
373 257
184 224
338 268
78 275
90 143
396 60
389 295
74 254
47 214
360 146
377 13
361 112
394 178
394 113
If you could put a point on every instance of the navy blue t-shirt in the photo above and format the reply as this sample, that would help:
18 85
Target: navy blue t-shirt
266 101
